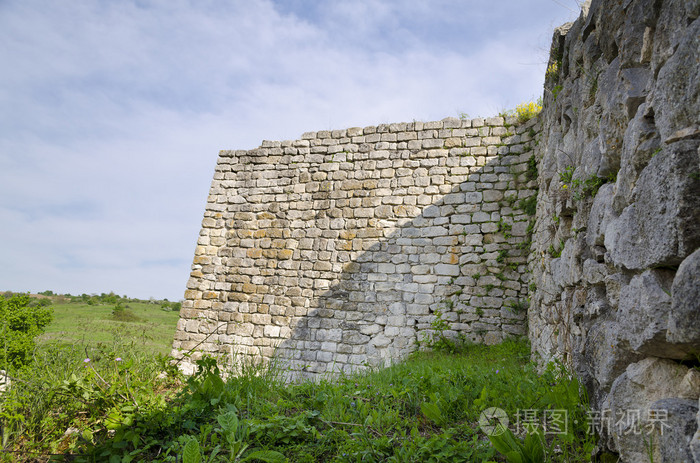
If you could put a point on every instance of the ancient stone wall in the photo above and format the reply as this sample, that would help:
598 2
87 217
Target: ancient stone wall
347 248
615 260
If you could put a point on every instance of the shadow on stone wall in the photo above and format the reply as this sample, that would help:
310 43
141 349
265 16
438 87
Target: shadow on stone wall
365 296
383 303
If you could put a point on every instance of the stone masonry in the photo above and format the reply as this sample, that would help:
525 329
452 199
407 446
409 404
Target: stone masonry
615 259
341 249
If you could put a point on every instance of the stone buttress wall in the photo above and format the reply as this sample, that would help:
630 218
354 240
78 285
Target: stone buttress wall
339 250
615 261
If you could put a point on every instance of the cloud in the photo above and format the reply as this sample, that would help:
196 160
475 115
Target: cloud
115 111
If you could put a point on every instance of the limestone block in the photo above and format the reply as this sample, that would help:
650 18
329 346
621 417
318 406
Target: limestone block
673 443
640 145
695 442
600 215
684 317
635 393
603 358
272 331
354 338
447 269
324 356
516 330
593 272
433 143
489 227
479 217
493 337
676 95
655 229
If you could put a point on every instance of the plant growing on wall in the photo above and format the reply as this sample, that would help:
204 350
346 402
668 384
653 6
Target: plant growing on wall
438 340
505 227
529 205
552 73
531 172
587 187
526 111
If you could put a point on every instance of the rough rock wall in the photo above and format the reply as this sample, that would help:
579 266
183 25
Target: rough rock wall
615 261
343 248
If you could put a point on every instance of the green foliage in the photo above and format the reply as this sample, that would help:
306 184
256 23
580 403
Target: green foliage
21 324
121 403
556 90
171 306
437 339
531 450
530 226
531 172
517 305
594 88
556 251
75 321
123 313
583 188
422 409
505 227
510 200
526 111
566 176
94 390
191 452
525 245
529 205
552 73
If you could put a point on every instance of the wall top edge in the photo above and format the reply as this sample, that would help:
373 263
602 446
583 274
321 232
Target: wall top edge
352 134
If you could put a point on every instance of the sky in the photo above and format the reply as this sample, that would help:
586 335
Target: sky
112 113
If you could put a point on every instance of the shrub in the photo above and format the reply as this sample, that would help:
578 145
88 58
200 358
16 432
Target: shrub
20 324
123 313
527 111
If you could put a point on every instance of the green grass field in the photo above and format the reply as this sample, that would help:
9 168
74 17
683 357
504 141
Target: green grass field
96 375
78 322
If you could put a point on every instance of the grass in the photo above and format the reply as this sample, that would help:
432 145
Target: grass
425 408
104 396
79 322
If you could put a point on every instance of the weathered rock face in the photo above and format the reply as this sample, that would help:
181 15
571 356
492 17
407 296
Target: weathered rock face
342 249
615 262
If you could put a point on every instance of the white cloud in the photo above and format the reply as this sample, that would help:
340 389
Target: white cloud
115 111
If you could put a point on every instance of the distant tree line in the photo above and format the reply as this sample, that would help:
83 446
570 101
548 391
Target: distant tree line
93 299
